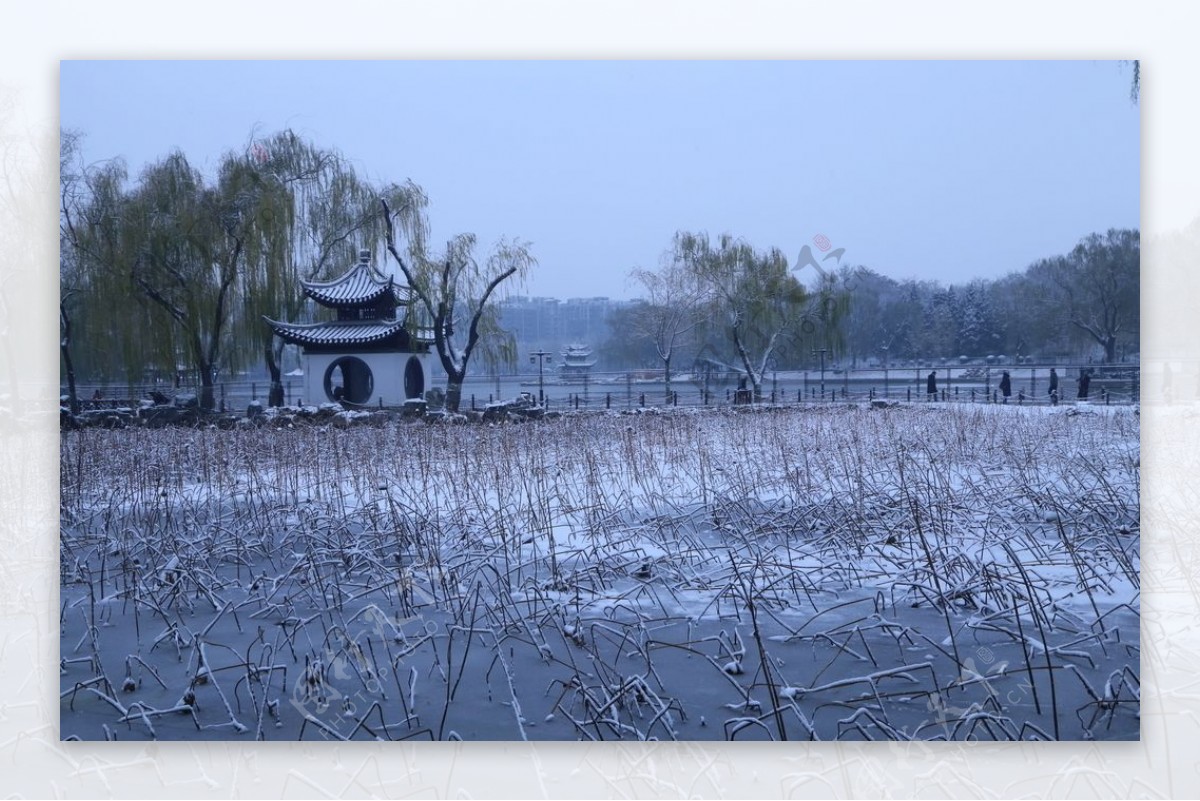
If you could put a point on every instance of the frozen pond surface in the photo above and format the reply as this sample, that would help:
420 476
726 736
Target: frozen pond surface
827 573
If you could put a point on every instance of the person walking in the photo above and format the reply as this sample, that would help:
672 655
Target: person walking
1053 387
1005 385
1085 378
931 386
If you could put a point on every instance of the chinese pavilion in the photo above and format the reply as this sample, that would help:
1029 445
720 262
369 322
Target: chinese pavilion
577 363
368 355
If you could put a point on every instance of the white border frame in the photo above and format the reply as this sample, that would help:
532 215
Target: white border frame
34 763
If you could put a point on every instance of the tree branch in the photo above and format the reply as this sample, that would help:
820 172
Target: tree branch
419 291
179 315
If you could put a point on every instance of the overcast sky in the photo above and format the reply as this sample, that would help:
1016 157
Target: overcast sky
942 170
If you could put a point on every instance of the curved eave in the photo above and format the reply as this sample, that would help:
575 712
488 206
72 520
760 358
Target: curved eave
359 286
344 333
350 334
334 301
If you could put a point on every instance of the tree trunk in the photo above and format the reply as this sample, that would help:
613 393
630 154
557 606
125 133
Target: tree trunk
64 347
207 397
275 395
667 378
755 386
453 393
72 395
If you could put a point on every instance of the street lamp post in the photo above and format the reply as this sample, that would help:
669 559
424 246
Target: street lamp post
884 348
822 351
541 357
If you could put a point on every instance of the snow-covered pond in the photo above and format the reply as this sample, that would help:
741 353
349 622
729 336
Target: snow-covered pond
833 572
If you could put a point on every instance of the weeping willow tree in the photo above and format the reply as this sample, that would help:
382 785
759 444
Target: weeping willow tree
70 273
828 307
203 260
1098 288
101 334
498 346
451 290
175 245
206 260
188 245
754 292
327 214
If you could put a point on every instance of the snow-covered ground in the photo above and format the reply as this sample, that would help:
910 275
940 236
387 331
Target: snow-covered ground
922 571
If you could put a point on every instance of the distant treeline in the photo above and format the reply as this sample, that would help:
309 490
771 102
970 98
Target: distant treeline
1077 305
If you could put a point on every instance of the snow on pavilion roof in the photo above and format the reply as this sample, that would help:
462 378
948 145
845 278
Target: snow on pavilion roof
366 332
576 355
359 286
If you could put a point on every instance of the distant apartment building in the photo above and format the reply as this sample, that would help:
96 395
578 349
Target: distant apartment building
551 324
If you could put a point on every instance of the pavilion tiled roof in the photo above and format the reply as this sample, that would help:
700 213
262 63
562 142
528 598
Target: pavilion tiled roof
342 332
359 286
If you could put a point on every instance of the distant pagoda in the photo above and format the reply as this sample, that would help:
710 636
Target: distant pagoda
577 363
368 355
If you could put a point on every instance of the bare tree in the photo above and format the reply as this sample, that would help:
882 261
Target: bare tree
450 284
670 314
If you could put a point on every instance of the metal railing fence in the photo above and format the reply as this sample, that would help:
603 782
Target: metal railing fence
1117 384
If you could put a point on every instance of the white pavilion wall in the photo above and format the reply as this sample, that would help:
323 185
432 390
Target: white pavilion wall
387 370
